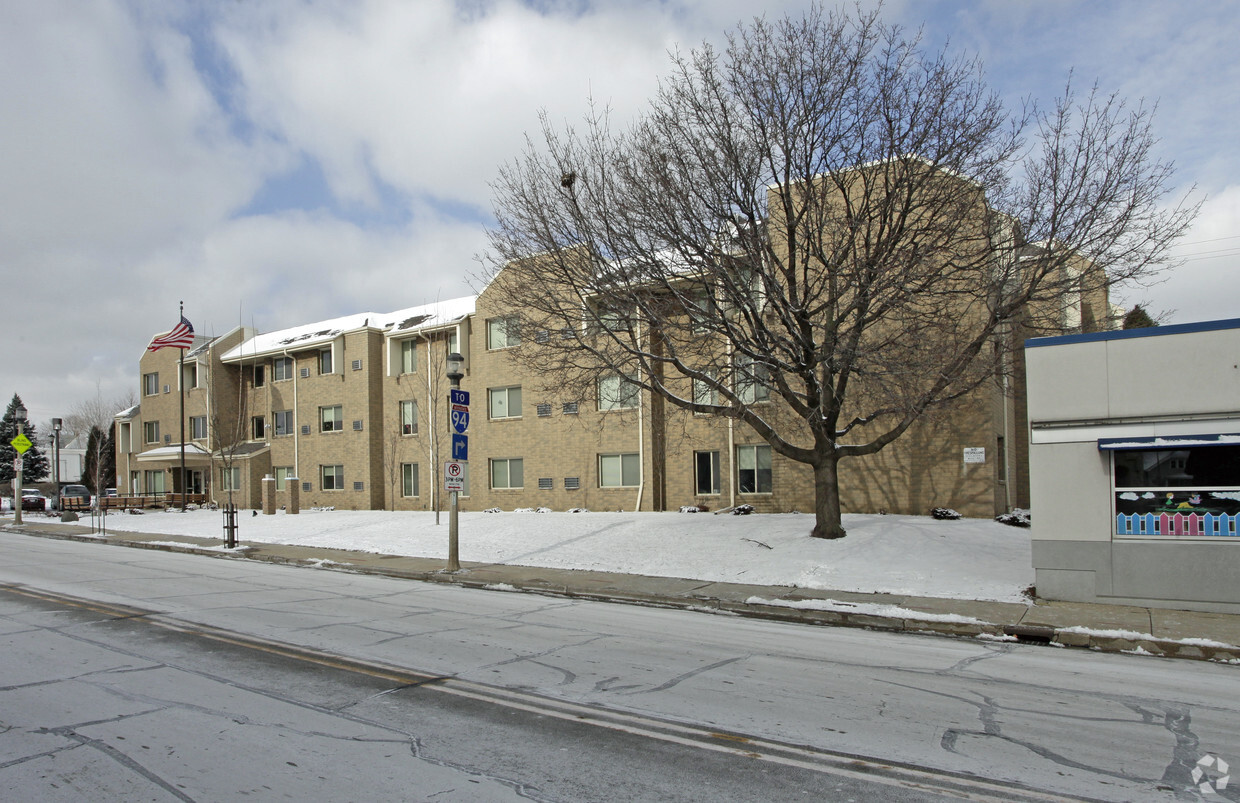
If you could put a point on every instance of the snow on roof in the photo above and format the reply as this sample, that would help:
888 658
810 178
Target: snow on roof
412 319
129 412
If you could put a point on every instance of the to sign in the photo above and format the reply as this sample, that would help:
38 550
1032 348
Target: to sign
454 476
458 396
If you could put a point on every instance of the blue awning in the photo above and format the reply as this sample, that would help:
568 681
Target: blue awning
1168 442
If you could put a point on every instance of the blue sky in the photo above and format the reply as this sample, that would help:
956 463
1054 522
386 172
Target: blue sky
294 160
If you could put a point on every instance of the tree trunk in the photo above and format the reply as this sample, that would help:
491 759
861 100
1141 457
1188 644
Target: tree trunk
827 523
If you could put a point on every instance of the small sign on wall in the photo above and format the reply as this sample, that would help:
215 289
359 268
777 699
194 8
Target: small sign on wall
974 454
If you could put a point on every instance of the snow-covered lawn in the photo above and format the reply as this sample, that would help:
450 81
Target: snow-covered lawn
964 559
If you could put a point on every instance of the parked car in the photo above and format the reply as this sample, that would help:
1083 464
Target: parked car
33 499
75 496
110 492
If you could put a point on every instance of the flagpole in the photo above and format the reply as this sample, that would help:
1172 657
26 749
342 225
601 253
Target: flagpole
181 387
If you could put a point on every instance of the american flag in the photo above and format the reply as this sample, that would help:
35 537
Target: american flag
181 336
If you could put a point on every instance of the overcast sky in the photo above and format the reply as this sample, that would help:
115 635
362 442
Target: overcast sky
276 163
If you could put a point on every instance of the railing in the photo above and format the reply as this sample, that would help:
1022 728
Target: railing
144 501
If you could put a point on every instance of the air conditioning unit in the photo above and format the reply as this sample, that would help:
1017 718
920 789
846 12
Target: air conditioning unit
357 365
572 483
544 410
546 483
305 429
305 373
357 427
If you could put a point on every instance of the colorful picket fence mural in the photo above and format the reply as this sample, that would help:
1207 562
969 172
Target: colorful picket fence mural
1188 524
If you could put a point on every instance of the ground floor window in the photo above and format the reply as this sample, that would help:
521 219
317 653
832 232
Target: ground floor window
282 475
508 473
1182 492
409 479
706 473
753 469
619 470
230 479
331 478
153 482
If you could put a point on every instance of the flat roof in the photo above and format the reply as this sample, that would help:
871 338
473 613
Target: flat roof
1124 334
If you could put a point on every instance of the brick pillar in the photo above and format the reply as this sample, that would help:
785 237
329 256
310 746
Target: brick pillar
294 495
269 495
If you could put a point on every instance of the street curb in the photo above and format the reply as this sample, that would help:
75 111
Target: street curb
1127 643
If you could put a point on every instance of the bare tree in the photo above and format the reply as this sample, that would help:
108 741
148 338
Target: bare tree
94 412
825 232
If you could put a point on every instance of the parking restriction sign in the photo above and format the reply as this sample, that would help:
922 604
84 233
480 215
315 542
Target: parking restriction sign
454 476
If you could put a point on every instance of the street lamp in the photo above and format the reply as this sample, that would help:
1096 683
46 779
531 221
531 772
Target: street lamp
455 374
20 415
57 425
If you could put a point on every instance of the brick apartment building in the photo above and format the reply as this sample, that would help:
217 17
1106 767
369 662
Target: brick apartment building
354 410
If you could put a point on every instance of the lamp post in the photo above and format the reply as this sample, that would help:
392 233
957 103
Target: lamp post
57 424
20 415
455 374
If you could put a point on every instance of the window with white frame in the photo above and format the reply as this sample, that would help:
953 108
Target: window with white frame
508 472
281 369
150 431
409 418
706 473
283 422
1192 490
150 384
619 470
331 478
230 478
408 356
325 361
617 392
189 379
153 481
282 474
753 380
198 427
753 469
505 402
705 391
503 332
409 479
331 419
454 341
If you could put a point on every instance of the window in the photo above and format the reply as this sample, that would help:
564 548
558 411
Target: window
508 473
325 361
1193 490
260 375
503 333
753 469
331 419
408 356
409 479
230 479
190 378
610 318
505 402
284 422
198 427
705 392
153 482
332 478
150 384
454 341
258 428
150 431
282 474
409 418
752 381
706 473
282 369
619 470
617 392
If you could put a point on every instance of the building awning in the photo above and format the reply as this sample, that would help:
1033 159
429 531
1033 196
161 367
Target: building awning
1168 442
172 454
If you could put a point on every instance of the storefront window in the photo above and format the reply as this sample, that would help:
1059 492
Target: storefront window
1176 493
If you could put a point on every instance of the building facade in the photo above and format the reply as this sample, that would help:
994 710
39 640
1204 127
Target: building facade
355 411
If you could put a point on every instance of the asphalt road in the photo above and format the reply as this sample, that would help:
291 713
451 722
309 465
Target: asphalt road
140 674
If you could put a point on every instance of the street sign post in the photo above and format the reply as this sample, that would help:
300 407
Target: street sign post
460 447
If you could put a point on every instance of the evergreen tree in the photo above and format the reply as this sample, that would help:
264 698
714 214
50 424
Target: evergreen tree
1138 318
34 462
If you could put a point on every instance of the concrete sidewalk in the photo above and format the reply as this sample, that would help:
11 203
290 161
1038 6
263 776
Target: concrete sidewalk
1107 628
